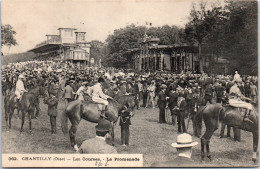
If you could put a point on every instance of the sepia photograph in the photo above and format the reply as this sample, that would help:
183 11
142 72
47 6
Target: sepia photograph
129 83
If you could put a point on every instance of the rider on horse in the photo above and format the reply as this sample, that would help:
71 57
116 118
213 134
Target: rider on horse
236 96
20 87
98 96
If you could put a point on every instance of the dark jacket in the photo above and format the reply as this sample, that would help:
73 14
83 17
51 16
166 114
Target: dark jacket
219 91
52 106
125 118
68 93
173 100
161 99
136 88
182 106
208 93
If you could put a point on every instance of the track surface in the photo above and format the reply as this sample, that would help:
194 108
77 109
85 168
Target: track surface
147 137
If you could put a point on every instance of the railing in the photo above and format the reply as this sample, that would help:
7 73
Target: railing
55 40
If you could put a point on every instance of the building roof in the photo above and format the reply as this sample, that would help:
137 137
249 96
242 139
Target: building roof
67 28
78 50
175 46
52 35
80 32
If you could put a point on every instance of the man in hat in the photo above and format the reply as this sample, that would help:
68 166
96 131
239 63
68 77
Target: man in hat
184 146
162 103
68 93
19 89
237 76
181 112
98 96
173 98
52 103
98 144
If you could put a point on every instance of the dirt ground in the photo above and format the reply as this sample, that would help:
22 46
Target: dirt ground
147 137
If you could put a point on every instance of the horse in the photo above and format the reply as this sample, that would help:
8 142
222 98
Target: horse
212 114
28 103
89 111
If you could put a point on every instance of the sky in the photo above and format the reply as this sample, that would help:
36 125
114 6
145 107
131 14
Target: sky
33 19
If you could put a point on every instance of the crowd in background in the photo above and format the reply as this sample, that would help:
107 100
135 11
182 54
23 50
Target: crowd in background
184 92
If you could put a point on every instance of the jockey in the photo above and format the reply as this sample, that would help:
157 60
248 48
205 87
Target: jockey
237 76
98 96
236 96
20 87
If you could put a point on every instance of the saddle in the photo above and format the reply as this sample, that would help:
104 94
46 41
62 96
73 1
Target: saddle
87 99
242 112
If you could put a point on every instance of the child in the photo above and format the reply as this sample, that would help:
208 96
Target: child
52 102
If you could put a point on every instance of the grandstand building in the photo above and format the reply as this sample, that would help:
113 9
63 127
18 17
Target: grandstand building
69 45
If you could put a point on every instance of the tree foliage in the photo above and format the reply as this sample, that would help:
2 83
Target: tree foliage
127 38
230 31
7 36
97 50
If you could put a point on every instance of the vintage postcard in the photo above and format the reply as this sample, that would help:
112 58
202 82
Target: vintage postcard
129 83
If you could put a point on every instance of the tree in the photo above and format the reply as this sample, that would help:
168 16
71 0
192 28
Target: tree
197 29
97 50
7 36
127 38
241 36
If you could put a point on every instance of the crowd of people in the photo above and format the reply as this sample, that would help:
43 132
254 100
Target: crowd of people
182 94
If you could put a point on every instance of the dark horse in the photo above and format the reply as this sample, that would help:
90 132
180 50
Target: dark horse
29 102
214 113
90 111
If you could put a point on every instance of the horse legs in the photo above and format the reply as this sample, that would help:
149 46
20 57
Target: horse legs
18 113
7 110
37 109
255 145
10 117
223 126
72 132
113 135
23 116
205 140
202 148
30 120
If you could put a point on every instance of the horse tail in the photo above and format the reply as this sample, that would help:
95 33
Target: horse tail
198 118
64 115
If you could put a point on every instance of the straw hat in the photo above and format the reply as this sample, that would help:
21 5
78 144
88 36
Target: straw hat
184 140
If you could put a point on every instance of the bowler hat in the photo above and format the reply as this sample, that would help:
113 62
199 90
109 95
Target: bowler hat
184 140
103 126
